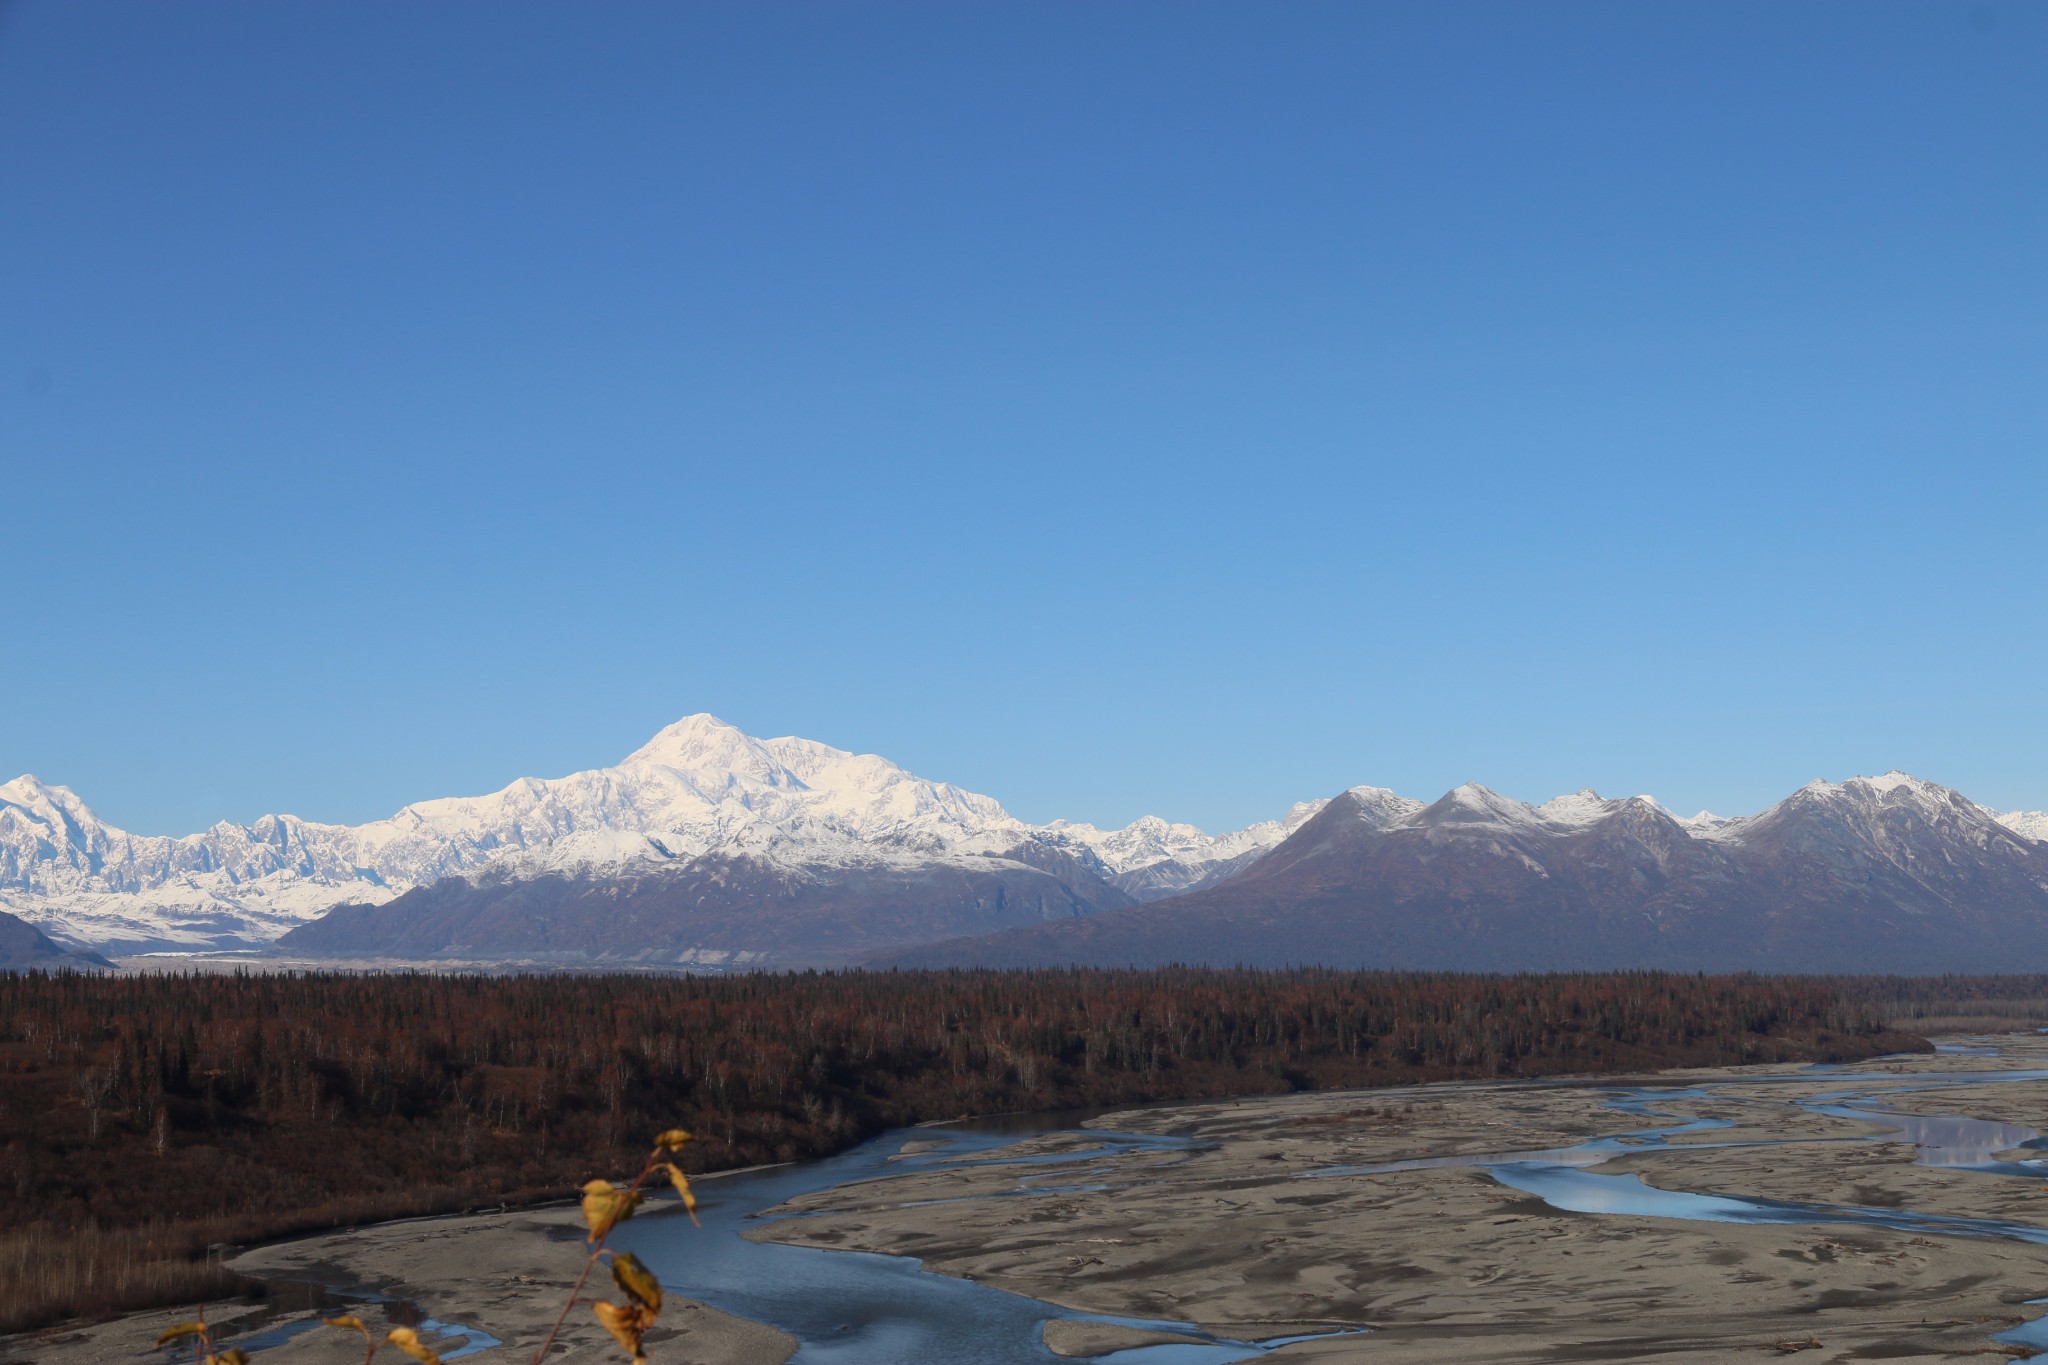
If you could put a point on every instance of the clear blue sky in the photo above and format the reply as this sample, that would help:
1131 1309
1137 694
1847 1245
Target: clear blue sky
1170 407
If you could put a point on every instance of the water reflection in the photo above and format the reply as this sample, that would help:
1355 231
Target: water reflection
860 1308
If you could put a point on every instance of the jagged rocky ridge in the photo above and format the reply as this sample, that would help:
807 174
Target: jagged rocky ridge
701 815
1887 874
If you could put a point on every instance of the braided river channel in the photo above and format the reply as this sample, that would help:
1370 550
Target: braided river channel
864 1307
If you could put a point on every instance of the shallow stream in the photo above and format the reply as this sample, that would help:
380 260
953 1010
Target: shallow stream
859 1308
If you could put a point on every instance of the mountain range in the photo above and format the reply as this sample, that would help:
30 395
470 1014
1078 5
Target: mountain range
700 814
1883 874
709 849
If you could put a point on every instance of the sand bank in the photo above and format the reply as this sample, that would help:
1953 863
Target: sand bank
1447 1264
507 1274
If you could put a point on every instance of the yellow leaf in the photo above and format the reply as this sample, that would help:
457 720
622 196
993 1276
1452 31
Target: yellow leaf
673 1138
598 1198
180 1332
233 1355
637 1280
626 1323
682 1184
605 1206
408 1341
354 1324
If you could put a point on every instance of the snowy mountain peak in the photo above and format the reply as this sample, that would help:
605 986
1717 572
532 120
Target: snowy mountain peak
1890 787
1475 803
21 790
1374 806
699 786
1894 780
2028 824
1586 808
1577 810
31 792
1894 819
1865 798
703 742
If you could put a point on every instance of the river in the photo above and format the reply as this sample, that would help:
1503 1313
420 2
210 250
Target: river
860 1308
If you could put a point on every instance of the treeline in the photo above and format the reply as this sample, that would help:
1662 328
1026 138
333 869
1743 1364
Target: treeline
1954 1004
178 1111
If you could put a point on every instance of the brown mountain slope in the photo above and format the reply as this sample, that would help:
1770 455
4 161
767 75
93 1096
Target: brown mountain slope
1886 875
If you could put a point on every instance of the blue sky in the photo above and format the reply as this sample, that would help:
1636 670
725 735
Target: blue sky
1185 408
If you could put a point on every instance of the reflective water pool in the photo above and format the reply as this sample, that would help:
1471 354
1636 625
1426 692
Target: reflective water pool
857 1308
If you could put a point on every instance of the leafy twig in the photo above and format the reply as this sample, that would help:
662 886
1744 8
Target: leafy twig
605 1206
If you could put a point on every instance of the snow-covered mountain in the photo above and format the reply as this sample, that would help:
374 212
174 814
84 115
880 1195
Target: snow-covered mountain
1888 873
2032 823
1149 859
698 787
706 844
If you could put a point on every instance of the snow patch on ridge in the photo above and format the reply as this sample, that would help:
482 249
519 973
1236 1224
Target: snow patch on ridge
1579 810
2028 824
1382 808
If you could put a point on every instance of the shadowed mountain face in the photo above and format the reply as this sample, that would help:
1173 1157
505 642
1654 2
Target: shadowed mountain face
1886 874
715 910
23 946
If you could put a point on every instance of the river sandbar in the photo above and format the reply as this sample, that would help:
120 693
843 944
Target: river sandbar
1447 1264
507 1274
